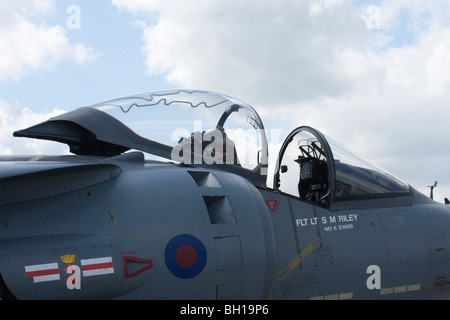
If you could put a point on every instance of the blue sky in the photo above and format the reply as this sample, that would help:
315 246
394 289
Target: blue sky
369 73
116 37
118 70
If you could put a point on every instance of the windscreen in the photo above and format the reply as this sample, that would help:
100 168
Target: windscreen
358 178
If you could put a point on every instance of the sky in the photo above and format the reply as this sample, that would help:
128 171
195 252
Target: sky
371 74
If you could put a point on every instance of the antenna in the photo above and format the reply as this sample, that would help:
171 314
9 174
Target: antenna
432 188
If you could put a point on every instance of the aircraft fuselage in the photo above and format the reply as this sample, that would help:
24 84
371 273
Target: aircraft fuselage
125 228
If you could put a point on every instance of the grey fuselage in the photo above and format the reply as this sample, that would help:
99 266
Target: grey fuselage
122 227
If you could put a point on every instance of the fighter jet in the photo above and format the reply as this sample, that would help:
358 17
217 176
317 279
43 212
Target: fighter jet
170 195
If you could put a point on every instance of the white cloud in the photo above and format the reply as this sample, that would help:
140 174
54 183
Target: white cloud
317 7
11 9
382 91
413 15
245 47
29 46
13 118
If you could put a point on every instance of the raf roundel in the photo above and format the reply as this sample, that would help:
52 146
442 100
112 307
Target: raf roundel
185 256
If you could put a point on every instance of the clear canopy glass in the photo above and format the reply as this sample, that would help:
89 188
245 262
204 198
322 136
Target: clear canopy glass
316 168
201 127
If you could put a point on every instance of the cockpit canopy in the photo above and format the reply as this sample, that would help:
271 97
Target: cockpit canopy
316 168
201 128
188 127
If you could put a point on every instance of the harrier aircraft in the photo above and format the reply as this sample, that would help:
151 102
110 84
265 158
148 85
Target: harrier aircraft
167 195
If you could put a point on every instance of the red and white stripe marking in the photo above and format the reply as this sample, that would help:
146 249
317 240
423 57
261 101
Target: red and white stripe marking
97 266
43 272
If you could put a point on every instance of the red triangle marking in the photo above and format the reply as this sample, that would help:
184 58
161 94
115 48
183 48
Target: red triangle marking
272 204
147 264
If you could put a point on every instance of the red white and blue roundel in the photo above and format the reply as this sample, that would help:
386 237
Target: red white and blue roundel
185 256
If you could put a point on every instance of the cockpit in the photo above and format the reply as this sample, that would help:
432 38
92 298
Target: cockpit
198 128
317 169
